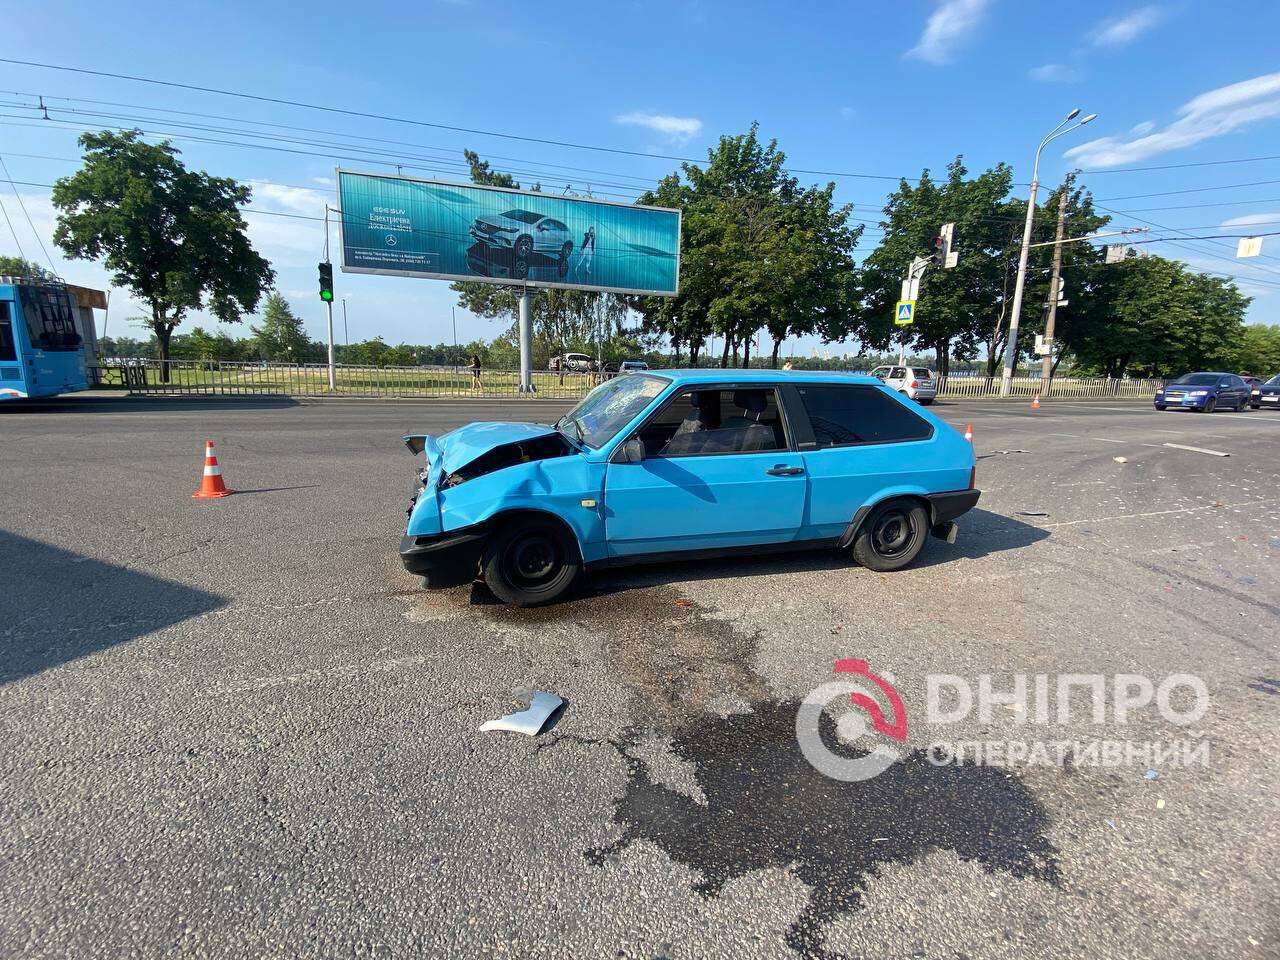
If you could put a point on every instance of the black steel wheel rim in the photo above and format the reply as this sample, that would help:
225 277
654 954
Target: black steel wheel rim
893 533
532 560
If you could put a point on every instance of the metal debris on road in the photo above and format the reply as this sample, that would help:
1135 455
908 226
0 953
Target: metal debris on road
531 721
1183 446
1000 453
1120 459
1032 513
1160 804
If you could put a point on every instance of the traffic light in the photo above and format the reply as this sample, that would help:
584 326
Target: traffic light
326 282
942 253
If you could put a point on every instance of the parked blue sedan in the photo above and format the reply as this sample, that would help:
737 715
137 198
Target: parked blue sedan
1205 392
682 464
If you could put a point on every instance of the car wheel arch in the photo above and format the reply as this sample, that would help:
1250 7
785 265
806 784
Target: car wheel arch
851 532
513 514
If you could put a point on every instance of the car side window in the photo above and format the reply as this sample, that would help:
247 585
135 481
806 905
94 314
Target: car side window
899 373
848 415
708 422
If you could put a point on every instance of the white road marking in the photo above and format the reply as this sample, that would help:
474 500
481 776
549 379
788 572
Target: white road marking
1073 436
1183 446
1105 440
1157 513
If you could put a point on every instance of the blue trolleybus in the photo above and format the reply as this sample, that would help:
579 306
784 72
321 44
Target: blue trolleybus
46 338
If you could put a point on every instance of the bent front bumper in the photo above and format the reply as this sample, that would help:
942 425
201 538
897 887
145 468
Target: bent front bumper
451 555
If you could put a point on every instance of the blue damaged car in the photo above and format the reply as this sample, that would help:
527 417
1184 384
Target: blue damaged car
683 464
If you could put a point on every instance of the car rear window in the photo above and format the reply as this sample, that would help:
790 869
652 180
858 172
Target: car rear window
842 416
922 374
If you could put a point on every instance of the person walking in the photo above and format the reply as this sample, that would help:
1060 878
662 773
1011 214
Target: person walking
476 383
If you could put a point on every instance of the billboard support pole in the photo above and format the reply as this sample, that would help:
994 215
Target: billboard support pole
526 341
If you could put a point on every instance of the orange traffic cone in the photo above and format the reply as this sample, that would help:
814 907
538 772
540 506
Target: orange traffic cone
968 432
1035 402
211 484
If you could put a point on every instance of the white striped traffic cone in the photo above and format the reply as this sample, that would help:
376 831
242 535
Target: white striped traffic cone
211 484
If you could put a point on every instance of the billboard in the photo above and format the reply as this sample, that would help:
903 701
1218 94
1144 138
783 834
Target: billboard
403 226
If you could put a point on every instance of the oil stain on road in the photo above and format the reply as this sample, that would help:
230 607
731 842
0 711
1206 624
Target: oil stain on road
767 807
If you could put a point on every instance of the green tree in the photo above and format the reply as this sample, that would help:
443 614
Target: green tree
1258 351
1152 317
18 267
960 308
758 250
174 237
281 336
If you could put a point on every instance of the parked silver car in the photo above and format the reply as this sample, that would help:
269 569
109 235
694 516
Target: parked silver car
918 383
522 234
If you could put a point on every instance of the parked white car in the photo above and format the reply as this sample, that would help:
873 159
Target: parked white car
918 383
577 362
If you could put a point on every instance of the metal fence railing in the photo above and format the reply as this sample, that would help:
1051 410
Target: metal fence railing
234 378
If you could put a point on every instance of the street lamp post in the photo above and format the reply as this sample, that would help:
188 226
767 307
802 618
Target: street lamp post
1011 346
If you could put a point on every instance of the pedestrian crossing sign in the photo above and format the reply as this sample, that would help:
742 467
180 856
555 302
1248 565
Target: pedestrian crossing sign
904 313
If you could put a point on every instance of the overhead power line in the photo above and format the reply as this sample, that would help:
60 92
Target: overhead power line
1170 193
22 204
390 118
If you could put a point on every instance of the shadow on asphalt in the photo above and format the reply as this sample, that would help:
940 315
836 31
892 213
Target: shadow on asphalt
981 533
74 404
60 606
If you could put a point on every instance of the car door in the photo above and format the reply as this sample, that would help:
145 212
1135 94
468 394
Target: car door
719 471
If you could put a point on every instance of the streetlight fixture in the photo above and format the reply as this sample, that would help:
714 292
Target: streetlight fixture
1011 346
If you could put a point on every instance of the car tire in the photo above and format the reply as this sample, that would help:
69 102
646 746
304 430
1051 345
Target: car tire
1211 405
520 269
531 561
523 247
562 264
892 535
1161 406
925 403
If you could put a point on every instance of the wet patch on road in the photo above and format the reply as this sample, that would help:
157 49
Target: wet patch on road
767 807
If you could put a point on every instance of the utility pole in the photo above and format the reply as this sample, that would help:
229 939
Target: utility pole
1055 283
453 312
346 336
1015 312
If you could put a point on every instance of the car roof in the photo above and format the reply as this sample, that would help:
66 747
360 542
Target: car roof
717 375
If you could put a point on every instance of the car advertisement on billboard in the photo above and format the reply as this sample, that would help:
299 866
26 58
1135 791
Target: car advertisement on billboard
447 231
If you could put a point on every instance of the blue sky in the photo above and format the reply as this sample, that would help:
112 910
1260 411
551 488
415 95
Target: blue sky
857 88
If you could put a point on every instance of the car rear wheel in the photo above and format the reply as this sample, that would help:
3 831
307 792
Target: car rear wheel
925 401
1160 406
529 562
891 537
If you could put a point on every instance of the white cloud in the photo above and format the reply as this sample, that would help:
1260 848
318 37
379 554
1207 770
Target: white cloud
1209 115
291 199
1142 129
847 112
675 129
1054 73
1251 219
946 28
1120 31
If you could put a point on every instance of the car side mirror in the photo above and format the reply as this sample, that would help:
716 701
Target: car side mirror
631 451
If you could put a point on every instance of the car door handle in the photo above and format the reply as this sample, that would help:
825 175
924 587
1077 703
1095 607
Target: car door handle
782 470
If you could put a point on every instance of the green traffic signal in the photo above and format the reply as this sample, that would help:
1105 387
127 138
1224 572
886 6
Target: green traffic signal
326 282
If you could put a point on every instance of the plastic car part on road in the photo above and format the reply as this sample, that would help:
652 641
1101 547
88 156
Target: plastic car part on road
529 721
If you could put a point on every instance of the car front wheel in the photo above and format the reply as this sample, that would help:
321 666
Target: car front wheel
892 535
529 562
1211 404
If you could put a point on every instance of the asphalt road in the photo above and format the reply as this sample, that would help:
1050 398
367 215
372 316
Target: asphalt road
239 728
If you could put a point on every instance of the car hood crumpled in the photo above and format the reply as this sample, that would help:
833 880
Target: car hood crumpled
459 447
